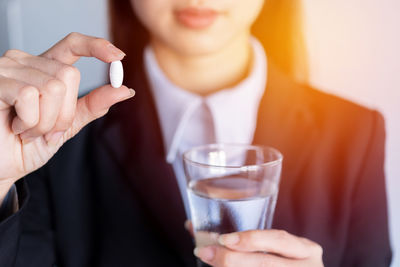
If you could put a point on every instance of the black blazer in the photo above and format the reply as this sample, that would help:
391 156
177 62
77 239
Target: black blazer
108 197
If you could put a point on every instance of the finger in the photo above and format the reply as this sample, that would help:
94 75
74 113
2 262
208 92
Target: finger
9 90
68 51
274 241
26 75
25 100
95 105
71 78
76 45
27 109
52 94
220 256
68 74
51 67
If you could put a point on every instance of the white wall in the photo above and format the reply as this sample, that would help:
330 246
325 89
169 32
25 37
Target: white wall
354 51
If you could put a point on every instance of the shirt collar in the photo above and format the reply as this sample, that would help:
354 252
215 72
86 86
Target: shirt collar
234 110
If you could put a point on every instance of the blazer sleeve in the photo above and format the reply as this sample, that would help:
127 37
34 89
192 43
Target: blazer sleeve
10 230
368 236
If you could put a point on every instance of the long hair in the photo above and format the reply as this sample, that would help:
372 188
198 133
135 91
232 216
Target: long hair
278 27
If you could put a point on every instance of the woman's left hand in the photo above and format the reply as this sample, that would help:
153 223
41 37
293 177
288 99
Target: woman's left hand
262 248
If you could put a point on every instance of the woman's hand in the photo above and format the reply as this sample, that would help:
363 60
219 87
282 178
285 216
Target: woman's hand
39 109
262 248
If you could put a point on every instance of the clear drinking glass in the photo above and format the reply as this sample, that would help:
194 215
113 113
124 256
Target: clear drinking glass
231 187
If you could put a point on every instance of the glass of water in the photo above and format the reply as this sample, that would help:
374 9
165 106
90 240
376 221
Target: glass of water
231 188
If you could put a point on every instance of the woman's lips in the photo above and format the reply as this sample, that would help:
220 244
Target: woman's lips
196 18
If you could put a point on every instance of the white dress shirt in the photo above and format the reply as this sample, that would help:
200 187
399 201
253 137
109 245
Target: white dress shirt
188 119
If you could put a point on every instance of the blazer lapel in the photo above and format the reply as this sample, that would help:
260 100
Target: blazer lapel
286 122
133 135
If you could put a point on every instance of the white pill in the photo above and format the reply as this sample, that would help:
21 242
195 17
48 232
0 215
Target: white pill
116 74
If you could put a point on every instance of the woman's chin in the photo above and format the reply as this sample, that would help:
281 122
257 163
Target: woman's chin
197 44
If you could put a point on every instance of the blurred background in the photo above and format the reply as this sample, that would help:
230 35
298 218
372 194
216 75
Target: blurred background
353 51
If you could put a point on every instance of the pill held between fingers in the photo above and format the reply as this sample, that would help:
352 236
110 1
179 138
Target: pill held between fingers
116 74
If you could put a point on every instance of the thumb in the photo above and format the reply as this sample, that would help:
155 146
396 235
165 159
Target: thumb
96 104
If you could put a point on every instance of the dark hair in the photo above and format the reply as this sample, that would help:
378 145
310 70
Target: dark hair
278 27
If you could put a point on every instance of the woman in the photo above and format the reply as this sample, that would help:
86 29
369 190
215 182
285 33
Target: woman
111 196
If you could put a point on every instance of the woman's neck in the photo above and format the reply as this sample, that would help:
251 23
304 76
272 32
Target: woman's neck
206 73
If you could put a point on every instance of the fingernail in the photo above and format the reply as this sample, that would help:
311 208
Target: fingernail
205 253
55 138
117 52
131 94
229 239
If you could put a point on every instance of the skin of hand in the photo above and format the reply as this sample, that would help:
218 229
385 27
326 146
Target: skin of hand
260 248
39 105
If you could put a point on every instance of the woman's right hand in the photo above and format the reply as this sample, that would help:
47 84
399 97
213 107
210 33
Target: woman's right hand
39 109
